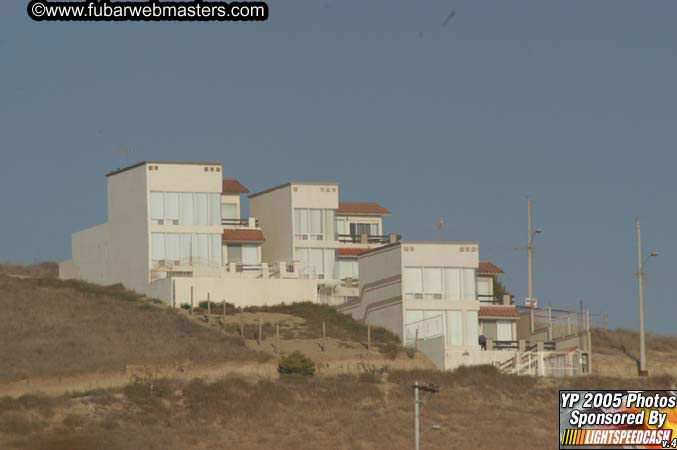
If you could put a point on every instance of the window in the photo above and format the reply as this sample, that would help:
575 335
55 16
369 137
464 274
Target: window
455 327
347 268
186 248
432 283
186 215
172 247
234 253
317 262
469 284
358 229
185 208
158 246
341 227
503 330
314 224
315 227
157 207
215 249
446 283
471 331
214 209
172 208
229 211
452 284
250 254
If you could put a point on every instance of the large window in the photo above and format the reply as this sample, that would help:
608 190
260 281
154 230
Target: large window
347 268
358 229
243 253
455 327
186 248
229 211
317 262
471 328
446 283
314 224
185 208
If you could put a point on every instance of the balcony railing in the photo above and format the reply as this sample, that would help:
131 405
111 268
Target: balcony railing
238 222
364 238
488 299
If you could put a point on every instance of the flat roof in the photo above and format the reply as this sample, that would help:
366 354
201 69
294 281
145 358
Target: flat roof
394 244
142 163
291 183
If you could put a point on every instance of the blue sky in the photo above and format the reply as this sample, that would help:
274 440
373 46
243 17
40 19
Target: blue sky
571 102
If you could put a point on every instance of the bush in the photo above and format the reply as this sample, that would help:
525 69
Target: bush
411 352
390 350
298 364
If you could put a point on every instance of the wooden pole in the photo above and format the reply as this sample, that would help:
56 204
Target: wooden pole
368 337
173 293
191 300
277 338
241 325
209 308
224 308
324 336
589 339
259 330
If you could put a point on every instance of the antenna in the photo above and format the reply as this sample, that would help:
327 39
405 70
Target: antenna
125 150
440 226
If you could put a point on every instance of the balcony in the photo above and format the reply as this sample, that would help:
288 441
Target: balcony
251 222
368 238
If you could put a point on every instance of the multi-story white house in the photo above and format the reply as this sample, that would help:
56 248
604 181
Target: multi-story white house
424 290
306 223
175 228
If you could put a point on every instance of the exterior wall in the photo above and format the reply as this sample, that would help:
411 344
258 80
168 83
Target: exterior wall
310 195
318 196
183 177
275 214
128 221
232 199
380 287
434 349
239 291
180 178
443 254
90 255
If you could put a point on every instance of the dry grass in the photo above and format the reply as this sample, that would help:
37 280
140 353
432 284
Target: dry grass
61 328
616 353
474 409
39 270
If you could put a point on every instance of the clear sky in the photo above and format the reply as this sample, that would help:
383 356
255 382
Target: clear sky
573 102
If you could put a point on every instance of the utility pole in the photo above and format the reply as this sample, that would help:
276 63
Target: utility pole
640 277
530 254
530 249
416 425
432 389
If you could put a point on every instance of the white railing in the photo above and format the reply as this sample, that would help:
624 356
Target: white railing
546 364
427 328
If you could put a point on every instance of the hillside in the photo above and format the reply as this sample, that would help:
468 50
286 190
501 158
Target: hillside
616 353
144 376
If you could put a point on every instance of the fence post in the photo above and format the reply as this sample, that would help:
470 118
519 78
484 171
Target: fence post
277 338
191 300
368 337
549 323
259 330
531 319
209 308
324 336
241 326
173 293
224 309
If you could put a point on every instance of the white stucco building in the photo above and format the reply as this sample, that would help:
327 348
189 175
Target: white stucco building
174 228
306 223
